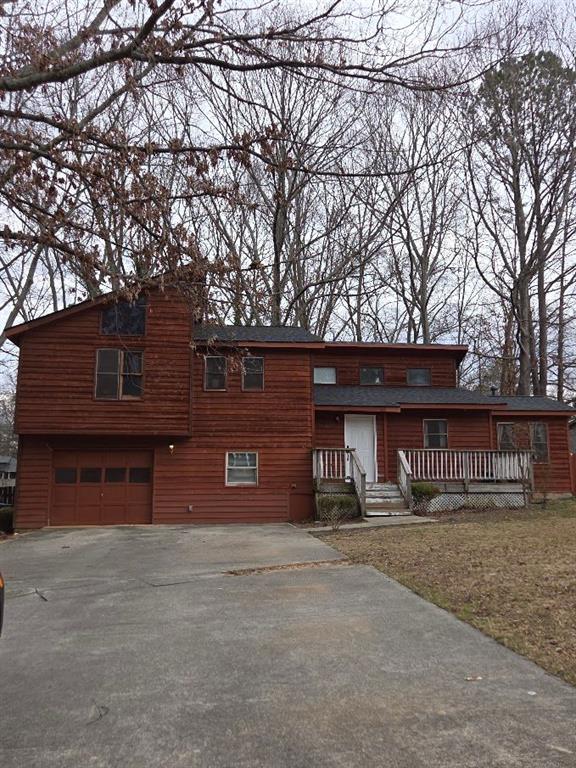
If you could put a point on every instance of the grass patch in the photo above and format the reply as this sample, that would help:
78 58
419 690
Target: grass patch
510 573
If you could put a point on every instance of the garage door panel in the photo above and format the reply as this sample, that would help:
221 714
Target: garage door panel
88 514
134 515
113 514
101 487
64 515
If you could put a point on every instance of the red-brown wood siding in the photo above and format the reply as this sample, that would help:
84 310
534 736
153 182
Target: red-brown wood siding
57 369
395 364
466 430
33 482
277 423
553 476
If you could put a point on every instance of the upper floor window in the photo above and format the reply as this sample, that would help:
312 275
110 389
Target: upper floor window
253 374
435 433
119 374
215 372
418 377
371 375
125 318
324 375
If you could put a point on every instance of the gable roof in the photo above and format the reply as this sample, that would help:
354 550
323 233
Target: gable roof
383 397
283 334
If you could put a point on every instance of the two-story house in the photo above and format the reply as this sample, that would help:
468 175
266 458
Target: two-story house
129 413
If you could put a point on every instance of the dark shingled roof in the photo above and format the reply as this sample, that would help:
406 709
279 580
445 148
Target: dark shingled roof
283 334
382 397
523 403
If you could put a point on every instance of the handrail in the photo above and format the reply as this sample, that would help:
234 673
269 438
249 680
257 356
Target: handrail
405 478
359 478
341 464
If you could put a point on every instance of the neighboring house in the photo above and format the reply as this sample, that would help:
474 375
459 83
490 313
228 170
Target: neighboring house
7 468
7 480
128 415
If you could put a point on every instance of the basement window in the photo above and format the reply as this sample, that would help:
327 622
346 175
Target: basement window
119 374
242 468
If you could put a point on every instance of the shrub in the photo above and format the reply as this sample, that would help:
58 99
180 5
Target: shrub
422 495
335 508
6 519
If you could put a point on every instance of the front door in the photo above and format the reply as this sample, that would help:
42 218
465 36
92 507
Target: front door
359 433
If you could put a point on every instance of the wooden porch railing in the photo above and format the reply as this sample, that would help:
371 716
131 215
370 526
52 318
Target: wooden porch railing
405 478
341 465
475 466
445 465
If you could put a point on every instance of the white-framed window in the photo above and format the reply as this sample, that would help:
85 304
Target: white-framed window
253 374
418 377
241 468
435 433
507 438
324 375
215 372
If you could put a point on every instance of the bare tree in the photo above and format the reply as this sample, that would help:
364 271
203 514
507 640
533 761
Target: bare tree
521 179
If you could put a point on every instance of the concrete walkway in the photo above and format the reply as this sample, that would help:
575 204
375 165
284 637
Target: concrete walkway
374 522
134 648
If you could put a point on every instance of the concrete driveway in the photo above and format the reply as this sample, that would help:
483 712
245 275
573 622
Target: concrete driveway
133 648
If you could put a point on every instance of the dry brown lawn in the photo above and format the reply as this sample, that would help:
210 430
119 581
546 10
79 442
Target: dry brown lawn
510 574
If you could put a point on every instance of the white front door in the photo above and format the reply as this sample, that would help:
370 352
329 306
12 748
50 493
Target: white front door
359 433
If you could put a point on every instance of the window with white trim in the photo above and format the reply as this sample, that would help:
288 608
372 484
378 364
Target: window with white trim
323 375
242 468
435 433
507 437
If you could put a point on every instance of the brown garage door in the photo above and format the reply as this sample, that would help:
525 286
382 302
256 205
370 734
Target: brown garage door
101 487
